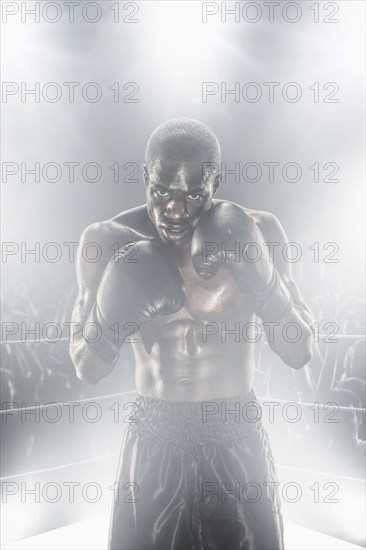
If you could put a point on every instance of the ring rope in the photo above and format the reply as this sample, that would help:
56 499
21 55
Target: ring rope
60 467
65 339
39 341
109 455
41 406
289 467
309 404
97 398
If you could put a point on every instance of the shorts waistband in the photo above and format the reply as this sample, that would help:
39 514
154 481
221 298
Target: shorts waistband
222 417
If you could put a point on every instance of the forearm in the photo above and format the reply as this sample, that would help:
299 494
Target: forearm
291 338
85 349
89 368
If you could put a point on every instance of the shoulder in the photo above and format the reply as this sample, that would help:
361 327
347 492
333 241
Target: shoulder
132 223
274 236
104 239
267 222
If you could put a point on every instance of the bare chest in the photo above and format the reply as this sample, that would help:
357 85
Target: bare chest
218 299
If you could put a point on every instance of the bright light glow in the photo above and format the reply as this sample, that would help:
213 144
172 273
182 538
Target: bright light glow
178 44
16 524
93 534
298 538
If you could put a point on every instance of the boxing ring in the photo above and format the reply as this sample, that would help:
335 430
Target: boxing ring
281 83
68 505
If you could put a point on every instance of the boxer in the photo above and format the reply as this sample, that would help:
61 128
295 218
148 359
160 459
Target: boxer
198 478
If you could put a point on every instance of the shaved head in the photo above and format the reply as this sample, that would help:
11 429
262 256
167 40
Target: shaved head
181 174
183 139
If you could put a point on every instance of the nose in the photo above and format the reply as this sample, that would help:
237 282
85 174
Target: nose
176 210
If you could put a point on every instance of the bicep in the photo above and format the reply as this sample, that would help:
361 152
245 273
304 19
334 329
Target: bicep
88 276
274 233
298 301
108 238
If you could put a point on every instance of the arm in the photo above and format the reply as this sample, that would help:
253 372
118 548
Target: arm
138 283
223 236
295 354
88 367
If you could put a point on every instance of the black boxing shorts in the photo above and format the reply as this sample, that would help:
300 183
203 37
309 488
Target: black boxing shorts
194 476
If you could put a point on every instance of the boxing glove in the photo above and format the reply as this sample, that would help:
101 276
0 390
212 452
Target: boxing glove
133 289
226 236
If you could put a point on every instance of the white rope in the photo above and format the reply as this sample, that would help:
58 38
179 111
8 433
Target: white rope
309 404
110 455
321 335
40 406
319 472
60 467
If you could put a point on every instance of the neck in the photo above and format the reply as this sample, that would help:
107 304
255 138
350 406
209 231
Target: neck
181 255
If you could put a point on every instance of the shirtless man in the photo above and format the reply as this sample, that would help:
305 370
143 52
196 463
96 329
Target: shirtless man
183 273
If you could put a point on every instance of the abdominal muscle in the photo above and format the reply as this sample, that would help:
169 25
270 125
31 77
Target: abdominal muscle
178 358
198 377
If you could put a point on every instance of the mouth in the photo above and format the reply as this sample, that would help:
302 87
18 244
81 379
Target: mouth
174 232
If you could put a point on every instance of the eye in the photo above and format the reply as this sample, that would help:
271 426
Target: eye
161 193
194 196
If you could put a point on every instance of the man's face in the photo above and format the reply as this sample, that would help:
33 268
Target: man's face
177 194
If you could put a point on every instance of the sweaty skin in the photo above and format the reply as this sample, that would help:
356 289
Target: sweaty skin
190 355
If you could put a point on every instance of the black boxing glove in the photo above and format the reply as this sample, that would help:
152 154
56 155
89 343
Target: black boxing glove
133 289
227 236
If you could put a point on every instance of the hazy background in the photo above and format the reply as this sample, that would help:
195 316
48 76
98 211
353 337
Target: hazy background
169 53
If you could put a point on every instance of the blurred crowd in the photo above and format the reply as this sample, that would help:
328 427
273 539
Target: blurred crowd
330 436
335 442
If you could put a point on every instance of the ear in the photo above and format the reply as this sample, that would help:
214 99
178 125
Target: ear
217 181
145 174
